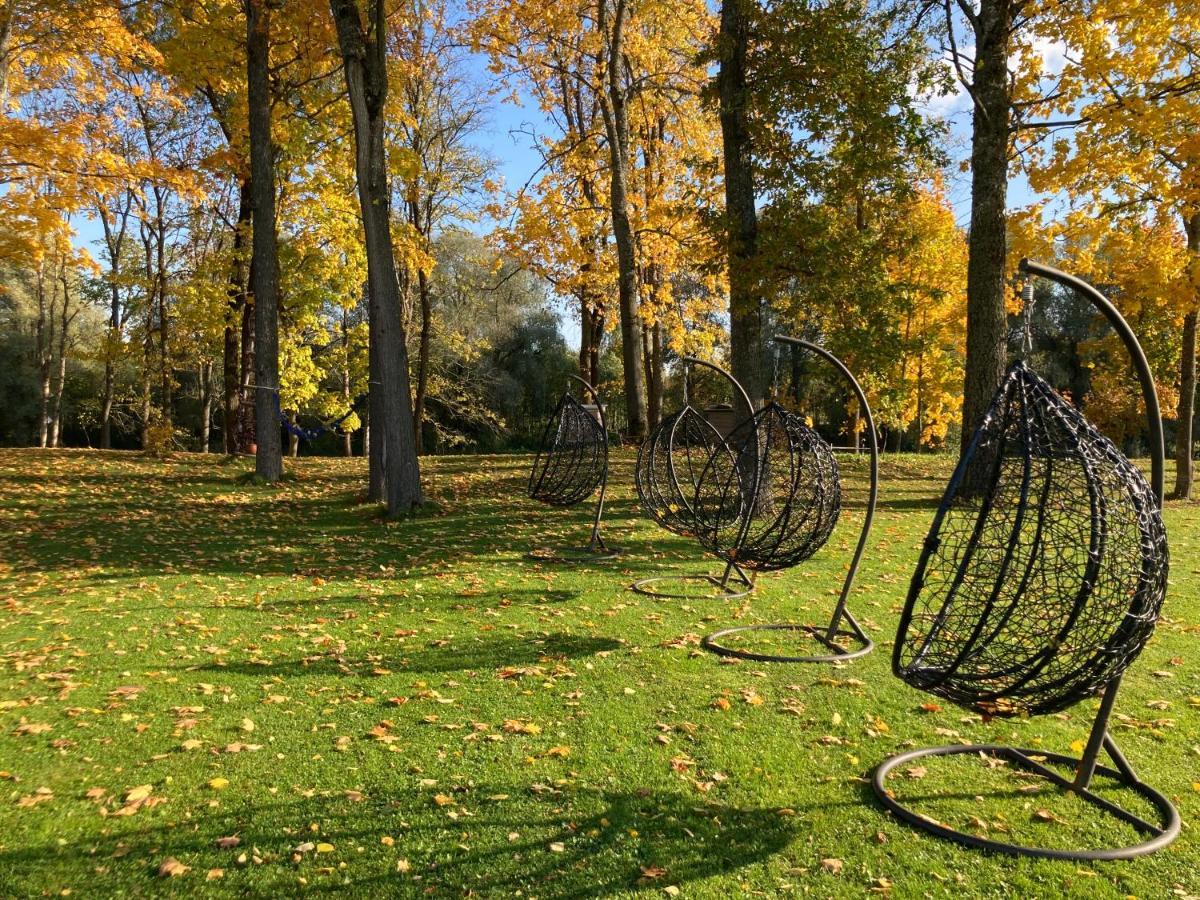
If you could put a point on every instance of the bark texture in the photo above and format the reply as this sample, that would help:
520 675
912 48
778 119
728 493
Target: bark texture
1186 412
741 216
268 460
362 40
987 242
616 125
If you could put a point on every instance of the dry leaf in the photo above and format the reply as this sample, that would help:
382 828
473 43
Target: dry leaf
172 868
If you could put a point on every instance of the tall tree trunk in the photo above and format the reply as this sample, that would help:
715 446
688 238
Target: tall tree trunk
268 461
247 420
147 402
44 338
64 324
164 320
741 216
373 440
422 356
585 339
364 54
114 240
591 309
616 126
655 392
1184 436
987 241
106 400
347 437
233 315
206 405
366 452
6 28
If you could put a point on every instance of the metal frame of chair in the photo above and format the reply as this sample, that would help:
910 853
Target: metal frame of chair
843 628
561 475
1099 673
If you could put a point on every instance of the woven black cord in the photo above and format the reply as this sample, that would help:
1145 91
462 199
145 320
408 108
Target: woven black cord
1037 591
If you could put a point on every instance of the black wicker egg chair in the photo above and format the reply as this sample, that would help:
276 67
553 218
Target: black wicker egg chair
669 474
1039 584
571 464
795 480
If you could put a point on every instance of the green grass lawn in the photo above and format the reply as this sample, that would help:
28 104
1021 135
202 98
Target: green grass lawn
269 691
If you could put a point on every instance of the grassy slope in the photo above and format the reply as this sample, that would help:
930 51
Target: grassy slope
438 714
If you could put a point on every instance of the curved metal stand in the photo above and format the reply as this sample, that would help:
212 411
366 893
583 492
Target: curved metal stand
1159 835
596 550
839 651
828 634
1099 739
732 585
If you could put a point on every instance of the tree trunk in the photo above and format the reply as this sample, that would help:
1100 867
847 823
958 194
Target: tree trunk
585 339
147 404
63 325
166 385
106 401
616 126
987 242
365 63
373 441
655 392
44 337
236 309
6 28
268 461
347 437
247 420
206 405
366 450
422 356
1186 412
591 312
741 216
114 239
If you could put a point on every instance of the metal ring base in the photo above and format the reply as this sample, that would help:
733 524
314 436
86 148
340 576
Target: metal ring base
839 654
726 591
1161 834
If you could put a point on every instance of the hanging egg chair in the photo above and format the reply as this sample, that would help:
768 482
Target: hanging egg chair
572 463
670 464
1040 585
671 488
793 478
773 500
1040 582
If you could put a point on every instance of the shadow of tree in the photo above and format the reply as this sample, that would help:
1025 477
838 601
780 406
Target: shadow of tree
553 842
466 653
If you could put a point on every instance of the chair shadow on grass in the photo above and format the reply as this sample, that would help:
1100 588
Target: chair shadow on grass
572 843
416 654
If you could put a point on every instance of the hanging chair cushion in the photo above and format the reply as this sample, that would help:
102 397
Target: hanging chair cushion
1045 568
774 500
669 466
573 458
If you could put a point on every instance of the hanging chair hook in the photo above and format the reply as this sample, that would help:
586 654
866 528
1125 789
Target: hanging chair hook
1137 356
1027 314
